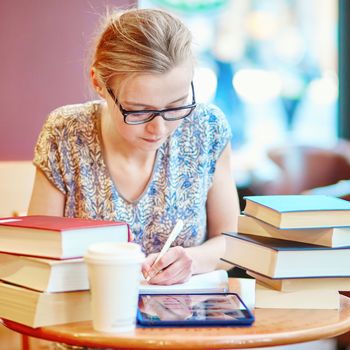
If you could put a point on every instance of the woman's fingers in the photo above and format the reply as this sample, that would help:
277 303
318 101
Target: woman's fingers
174 267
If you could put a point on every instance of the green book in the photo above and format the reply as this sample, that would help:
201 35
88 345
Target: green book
299 211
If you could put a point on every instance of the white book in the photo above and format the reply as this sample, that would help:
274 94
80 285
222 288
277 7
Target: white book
210 282
300 299
295 284
44 275
37 309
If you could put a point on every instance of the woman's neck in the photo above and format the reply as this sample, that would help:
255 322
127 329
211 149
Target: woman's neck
130 169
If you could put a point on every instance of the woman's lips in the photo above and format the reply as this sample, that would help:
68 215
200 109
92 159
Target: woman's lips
152 140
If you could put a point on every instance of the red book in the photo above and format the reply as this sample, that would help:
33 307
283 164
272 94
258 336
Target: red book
57 237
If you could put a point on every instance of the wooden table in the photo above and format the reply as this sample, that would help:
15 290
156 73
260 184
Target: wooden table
272 327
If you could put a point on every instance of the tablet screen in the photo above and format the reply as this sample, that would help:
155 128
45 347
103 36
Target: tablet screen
195 308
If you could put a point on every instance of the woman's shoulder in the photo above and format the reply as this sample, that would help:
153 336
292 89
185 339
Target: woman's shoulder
207 118
73 115
208 113
206 130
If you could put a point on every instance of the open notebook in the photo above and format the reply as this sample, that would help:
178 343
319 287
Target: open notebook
210 282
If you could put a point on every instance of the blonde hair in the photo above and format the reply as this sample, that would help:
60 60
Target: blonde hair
140 41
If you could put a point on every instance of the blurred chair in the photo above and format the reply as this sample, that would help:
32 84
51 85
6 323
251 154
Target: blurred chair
16 182
309 169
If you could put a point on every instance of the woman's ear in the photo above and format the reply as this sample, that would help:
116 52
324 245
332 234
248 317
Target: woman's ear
96 84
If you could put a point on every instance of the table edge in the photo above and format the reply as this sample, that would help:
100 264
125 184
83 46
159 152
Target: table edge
222 342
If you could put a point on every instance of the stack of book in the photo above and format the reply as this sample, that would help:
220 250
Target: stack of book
297 247
43 278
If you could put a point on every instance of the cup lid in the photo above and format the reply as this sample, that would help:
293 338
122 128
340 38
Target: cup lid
118 251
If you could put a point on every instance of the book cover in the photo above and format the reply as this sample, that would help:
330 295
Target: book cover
57 237
296 284
328 237
300 299
36 309
299 211
278 258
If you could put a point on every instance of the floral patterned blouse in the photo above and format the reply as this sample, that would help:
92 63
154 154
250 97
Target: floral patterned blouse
69 153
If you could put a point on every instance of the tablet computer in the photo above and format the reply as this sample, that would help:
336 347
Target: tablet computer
212 309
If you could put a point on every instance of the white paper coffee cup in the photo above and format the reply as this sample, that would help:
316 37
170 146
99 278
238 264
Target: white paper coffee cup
114 275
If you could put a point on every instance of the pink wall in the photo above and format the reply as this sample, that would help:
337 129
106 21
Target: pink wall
43 64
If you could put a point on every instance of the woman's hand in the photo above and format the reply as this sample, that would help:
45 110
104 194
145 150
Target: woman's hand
176 266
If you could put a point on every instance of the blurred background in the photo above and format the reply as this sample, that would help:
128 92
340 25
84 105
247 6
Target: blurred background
277 68
272 67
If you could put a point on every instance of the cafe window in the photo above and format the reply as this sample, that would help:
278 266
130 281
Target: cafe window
270 65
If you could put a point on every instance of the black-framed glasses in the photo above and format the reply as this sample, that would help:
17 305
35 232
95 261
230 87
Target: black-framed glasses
146 115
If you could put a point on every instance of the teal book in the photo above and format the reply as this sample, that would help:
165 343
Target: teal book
276 258
299 211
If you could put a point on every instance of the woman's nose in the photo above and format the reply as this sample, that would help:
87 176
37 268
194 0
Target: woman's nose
157 125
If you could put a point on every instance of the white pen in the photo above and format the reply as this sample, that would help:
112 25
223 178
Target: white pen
174 233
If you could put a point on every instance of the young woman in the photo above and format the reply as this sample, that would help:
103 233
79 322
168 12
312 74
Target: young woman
146 152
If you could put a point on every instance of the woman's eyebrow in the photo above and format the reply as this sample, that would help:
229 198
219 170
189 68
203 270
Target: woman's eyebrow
139 104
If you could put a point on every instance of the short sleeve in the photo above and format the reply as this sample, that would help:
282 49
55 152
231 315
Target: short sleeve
47 152
202 138
219 132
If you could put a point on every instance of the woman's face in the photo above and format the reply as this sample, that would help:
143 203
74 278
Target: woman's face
150 91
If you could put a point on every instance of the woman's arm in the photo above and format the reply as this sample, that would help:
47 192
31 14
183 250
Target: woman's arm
222 215
46 199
